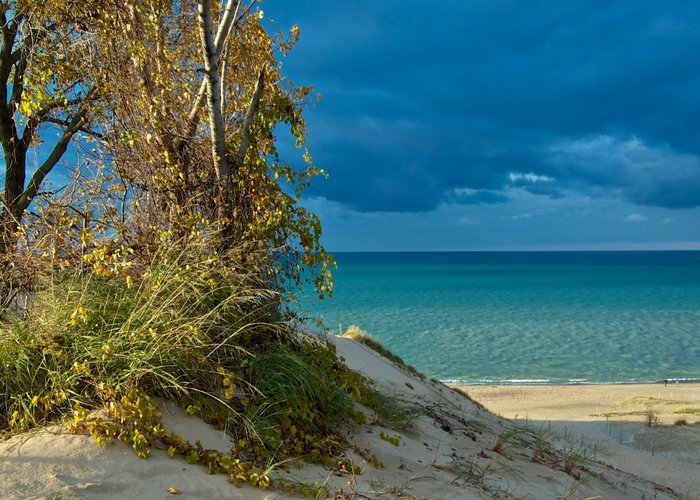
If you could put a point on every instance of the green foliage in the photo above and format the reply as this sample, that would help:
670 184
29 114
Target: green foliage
395 440
292 386
85 336
131 418
95 349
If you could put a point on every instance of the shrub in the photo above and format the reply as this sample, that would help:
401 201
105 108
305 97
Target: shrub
651 417
291 386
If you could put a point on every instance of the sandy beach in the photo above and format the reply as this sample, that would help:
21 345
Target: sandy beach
611 420
589 403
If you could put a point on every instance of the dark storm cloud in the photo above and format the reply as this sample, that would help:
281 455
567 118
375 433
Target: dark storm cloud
420 101
643 175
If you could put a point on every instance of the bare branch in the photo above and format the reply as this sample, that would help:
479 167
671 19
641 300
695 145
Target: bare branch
67 123
249 116
29 194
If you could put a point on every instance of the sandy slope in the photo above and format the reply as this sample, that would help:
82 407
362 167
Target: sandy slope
611 416
447 452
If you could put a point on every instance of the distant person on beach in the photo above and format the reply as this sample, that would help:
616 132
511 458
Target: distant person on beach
665 383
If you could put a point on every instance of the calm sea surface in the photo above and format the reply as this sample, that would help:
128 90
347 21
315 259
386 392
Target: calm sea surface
526 316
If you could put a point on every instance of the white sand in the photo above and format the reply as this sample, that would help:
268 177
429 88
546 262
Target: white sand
612 418
591 402
446 453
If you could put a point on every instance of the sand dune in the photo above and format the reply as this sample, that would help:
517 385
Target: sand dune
446 447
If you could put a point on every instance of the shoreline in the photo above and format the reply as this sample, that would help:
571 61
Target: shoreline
538 383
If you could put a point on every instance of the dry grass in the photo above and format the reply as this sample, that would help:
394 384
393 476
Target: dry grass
687 411
358 335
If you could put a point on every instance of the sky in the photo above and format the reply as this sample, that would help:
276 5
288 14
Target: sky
500 124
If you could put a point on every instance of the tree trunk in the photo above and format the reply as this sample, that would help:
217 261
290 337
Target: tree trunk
213 81
15 176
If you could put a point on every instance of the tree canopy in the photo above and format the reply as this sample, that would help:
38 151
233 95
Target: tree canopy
174 108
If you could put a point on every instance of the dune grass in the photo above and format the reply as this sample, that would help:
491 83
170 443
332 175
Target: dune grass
292 386
355 333
194 329
86 336
688 410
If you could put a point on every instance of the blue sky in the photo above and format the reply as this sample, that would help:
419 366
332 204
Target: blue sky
501 124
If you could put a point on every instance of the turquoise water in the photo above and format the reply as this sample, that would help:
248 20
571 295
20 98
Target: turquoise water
598 317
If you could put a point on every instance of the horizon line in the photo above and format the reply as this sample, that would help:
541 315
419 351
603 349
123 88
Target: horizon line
601 249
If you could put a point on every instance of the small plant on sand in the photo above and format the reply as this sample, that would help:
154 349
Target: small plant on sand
573 460
571 491
541 446
395 440
650 416
507 438
680 421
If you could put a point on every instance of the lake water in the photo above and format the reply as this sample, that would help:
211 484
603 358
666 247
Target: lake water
532 317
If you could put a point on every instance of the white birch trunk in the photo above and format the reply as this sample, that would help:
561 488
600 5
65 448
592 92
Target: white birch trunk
213 91
225 27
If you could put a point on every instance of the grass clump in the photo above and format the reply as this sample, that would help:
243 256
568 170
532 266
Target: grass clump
573 461
680 421
687 411
93 351
508 437
393 440
355 333
87 340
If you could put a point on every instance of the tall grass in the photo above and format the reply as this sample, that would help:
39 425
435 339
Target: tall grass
294 387
172 334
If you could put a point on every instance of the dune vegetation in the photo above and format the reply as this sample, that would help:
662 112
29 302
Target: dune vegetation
160 257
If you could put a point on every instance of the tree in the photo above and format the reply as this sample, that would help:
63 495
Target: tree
42 84
187 63
186 97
